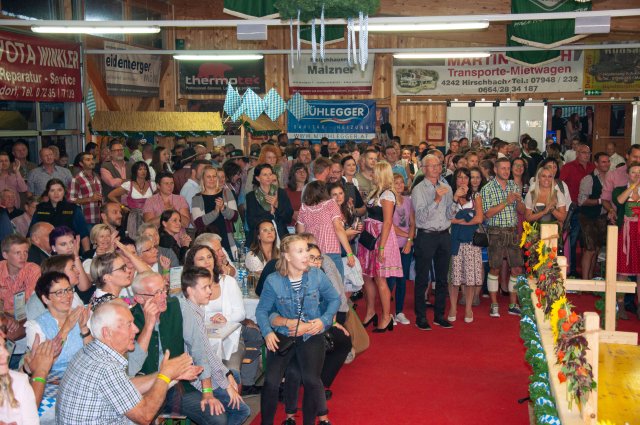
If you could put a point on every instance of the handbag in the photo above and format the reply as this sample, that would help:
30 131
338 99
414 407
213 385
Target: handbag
359 336
367 240
285 345
480 237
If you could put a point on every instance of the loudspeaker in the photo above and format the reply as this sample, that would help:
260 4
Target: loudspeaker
252 32
593 25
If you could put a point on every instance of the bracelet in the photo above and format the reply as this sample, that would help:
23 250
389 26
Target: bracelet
409 239
207 390
350 254
335 322
381 248
164 378
165 272
39 379
86 334
227 374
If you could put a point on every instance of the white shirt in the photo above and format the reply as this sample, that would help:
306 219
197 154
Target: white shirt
189 190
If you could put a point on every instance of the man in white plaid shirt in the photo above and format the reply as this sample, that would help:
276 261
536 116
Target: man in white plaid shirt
96 388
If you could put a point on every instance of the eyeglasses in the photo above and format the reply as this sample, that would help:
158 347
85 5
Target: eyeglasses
315 259
158 292
123 268
62 292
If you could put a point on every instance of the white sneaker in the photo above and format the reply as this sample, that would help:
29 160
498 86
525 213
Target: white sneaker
350 357
402 319
494 312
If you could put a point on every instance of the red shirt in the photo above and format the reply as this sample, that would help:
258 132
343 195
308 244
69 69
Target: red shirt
571 173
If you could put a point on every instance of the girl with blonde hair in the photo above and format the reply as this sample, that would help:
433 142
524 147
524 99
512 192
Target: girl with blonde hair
378 253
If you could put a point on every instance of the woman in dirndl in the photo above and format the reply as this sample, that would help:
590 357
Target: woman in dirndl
627 202
383 260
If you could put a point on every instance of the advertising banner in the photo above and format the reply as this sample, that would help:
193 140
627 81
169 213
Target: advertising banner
131 75
333 76
213 77
35 69
492 75
338 120
614 70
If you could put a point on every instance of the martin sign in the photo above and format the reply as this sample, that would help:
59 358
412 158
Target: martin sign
333 76
214 77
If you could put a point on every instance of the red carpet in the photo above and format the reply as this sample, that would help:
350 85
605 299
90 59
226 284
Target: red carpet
471 374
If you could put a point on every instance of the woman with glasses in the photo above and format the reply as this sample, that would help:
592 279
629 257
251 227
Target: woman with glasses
60 321
295 293
61 264
112 275
263 247
150 231
64 241
147 250
215 206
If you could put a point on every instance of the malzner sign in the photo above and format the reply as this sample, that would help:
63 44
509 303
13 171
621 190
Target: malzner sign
333 76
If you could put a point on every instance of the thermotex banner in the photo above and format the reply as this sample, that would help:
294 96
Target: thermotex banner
337 120
131 75
214 77
35 69
333 76
492 75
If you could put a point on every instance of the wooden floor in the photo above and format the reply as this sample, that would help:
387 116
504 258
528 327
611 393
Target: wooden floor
619 384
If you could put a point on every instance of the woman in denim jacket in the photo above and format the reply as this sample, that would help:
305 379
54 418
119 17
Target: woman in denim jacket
295 291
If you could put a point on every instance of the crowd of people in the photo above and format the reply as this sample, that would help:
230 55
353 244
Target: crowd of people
92 333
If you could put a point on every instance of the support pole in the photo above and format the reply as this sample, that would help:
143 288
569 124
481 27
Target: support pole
610 292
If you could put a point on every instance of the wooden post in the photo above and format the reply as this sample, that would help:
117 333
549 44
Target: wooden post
592 329
611 279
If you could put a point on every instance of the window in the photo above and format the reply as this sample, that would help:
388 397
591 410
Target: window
32 9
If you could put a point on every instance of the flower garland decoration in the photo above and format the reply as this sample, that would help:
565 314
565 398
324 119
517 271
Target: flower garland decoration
544 406
567 326
570 348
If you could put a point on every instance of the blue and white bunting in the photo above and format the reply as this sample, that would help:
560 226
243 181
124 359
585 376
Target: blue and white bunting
274 106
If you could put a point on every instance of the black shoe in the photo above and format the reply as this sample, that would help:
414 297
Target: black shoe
325 422
374 320
251 390
444 323
289 421
328 394
423 326
389 327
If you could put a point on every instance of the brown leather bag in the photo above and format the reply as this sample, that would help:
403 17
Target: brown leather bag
359 336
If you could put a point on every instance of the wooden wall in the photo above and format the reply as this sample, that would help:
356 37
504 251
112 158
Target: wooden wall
409 120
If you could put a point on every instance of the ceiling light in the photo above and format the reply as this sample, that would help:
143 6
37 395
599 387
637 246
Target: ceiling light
95 30
442 55
444 26
217 57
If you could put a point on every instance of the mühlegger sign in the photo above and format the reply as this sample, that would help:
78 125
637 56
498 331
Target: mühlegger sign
35 69
339 120
214 77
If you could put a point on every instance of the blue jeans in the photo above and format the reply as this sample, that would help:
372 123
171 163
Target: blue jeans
400 283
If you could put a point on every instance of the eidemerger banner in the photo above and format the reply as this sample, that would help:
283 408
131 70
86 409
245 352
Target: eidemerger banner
131 75
492 75
338 120
333 76
35 69
198 77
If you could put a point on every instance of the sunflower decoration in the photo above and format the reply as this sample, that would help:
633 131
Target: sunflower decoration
528 242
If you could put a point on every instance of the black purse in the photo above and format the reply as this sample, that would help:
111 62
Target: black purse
367 240
286 344
480 237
